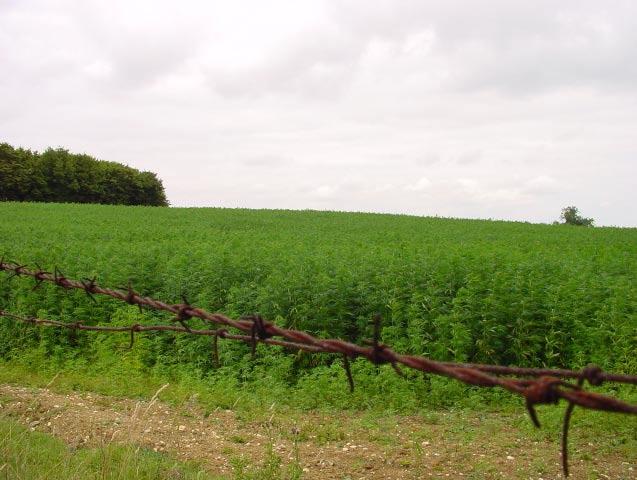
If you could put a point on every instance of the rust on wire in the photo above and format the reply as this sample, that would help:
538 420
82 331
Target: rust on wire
536 386
133 328
89 285
590 370
221 333
58 278
183 314
17 271
130 295
39 277
348 372
378 356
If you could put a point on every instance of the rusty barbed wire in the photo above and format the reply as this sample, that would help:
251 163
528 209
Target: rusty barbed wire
137 327
546 387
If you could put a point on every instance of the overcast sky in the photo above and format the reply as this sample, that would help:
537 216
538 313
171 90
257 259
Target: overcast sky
481 109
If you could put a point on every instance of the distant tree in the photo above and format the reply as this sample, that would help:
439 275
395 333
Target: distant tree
571 216
56 175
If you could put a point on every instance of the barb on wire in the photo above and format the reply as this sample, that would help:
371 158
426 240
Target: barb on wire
17 271
257 331
130 295
89 285
378 349
589 373
58 278
220 333
39 279
133 328
183 313
546 386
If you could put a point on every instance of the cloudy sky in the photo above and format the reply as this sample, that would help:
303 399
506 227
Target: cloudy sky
482 109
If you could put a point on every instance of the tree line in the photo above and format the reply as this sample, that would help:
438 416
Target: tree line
56 175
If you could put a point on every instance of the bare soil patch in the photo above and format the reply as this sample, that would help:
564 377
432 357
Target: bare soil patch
327 446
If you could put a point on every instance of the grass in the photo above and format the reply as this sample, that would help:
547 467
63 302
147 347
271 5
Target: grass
30 455
324 389
491 292
450 289
270 469
476 443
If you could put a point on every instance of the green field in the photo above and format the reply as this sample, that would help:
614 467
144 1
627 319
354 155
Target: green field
452 289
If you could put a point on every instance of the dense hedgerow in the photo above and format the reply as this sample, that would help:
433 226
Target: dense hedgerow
466 290
56 175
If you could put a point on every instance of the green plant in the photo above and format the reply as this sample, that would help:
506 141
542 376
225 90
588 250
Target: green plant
501 292
33 455
571 216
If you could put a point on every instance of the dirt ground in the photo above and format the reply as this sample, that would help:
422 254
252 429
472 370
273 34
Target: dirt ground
327 446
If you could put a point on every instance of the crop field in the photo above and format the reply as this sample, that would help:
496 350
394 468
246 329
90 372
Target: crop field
462 290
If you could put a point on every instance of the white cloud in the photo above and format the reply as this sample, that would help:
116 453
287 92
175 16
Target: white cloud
324 191
511 109
467 184
386 187
98 69
423 183
542 184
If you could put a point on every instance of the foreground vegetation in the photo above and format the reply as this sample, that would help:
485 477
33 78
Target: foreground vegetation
479 291
29 455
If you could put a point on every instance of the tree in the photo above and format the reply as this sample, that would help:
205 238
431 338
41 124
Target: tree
57 175
571 216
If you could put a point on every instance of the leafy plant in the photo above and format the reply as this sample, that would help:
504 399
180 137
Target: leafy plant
571 216
480 291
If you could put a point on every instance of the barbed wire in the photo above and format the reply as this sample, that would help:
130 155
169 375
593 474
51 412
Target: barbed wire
137 327
547 386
